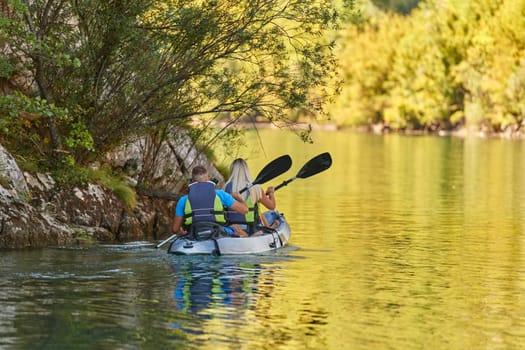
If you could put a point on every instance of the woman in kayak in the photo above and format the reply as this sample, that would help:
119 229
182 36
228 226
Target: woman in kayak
240 177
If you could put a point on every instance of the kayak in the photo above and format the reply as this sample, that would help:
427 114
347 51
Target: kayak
212 242
269 240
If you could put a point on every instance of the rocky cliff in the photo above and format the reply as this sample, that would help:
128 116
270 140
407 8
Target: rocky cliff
35 211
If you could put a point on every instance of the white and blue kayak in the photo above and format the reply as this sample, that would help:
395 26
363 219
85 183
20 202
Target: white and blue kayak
269 240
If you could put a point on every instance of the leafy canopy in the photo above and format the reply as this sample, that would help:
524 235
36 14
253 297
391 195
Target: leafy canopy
107 71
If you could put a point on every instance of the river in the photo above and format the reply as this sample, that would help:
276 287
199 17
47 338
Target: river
406 242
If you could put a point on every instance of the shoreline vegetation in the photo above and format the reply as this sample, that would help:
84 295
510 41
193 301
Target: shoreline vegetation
384 129
121 94
444 68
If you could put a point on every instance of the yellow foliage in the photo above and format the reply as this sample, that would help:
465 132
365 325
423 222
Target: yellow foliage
448 62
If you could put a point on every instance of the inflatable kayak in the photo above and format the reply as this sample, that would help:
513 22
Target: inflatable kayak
269 240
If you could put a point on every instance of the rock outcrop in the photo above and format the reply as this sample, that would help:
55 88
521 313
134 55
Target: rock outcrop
160 165
35 211
22 225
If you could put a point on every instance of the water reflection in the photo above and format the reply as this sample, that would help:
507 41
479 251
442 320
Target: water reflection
210 286
231 300
405 243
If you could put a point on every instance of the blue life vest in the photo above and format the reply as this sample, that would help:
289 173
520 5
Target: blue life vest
203 204
235 218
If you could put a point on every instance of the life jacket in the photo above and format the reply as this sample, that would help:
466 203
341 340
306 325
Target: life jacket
251 218
203 204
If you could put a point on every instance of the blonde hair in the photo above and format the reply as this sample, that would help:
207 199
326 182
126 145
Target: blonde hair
240 177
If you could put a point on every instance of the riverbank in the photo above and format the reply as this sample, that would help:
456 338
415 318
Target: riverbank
38 211
383 129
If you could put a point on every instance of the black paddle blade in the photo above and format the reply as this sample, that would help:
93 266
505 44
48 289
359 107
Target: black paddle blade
315 165
273 169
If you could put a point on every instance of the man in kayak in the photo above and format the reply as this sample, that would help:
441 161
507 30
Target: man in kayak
204 204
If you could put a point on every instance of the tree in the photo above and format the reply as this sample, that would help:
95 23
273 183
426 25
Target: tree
448 65
122 68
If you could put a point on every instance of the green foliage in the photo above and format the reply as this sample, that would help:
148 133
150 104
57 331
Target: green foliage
83 237
126 193
23 121
79 136
6 67
116 70
115 183
70 173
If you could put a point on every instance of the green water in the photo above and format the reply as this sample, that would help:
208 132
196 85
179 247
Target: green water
404 243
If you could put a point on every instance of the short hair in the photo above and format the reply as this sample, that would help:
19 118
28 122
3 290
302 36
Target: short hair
198 173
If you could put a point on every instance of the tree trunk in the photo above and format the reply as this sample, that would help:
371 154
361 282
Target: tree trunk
56 143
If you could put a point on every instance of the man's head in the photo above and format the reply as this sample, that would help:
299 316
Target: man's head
199 174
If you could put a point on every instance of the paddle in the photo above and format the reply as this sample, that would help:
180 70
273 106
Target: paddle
166 240
314 166
273 169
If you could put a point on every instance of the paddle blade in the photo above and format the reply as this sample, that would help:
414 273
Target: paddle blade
273 169
315 165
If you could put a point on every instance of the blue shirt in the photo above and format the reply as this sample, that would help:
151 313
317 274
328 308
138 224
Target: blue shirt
226 199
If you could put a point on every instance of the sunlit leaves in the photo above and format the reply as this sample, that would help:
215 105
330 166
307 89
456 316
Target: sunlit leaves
131 68
448 64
